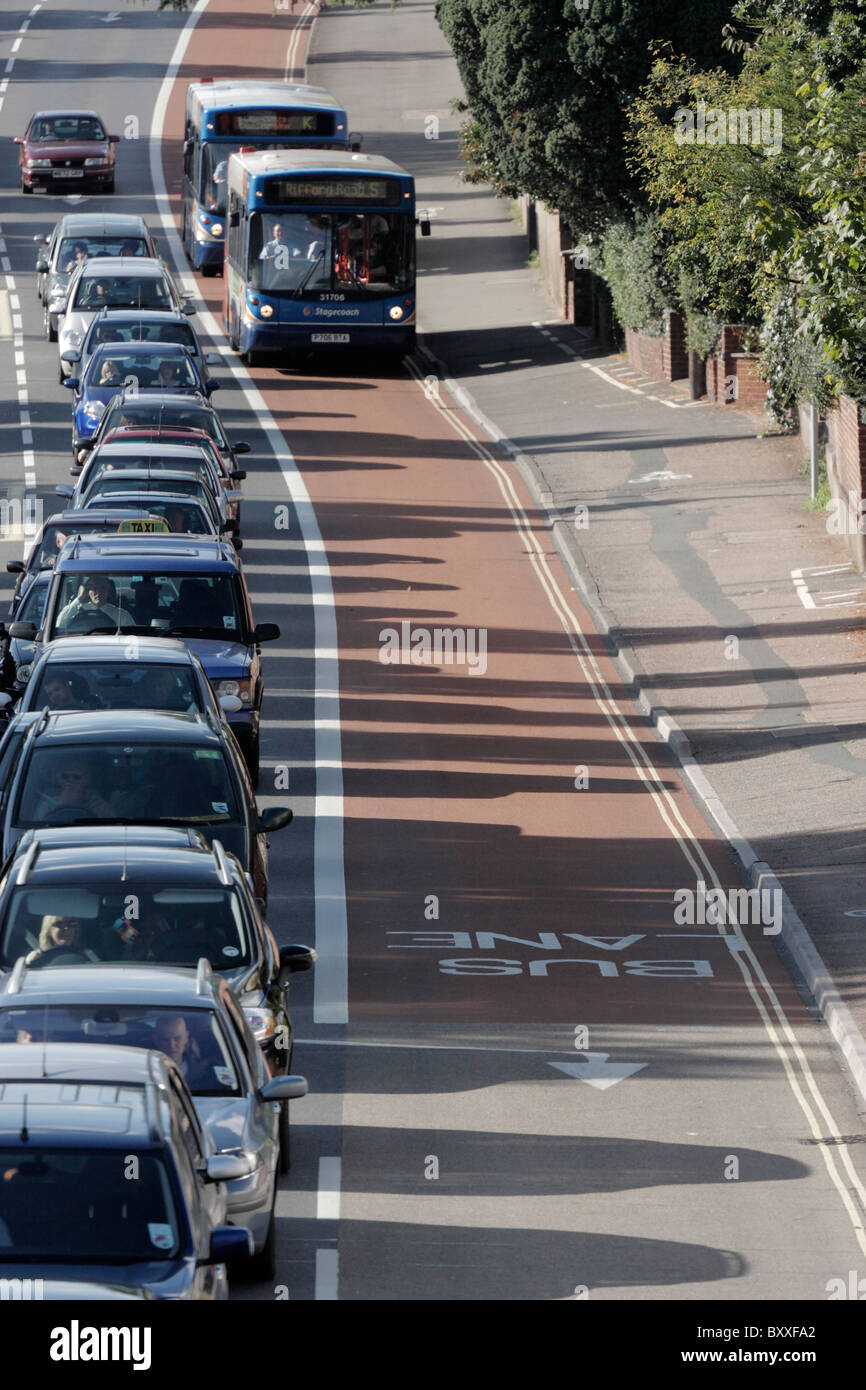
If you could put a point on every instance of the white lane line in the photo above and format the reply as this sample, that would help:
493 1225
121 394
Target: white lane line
10 65
16 45
328 1194
327 1275
802 589
5 315
783 1040
295 43
331 976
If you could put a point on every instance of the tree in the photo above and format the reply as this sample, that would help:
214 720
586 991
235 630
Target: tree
547 83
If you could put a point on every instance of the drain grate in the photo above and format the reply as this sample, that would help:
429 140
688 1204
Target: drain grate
844 1139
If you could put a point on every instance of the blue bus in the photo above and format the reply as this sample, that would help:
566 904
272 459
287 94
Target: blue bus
320 252
228 115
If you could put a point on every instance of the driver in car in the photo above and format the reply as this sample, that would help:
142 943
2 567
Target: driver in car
75 799
56 933
92 599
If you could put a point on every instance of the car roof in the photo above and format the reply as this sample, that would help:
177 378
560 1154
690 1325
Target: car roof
182 551
103 224
166 398
144 349
112 982
78 514
67 111
142 266
83 854
115 316
70 729
120 448
164 651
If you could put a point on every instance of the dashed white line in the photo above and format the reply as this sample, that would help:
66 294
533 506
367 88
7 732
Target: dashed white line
327 1275
328 1193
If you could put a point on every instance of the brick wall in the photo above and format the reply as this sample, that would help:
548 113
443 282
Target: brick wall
732 375
846 474
664 358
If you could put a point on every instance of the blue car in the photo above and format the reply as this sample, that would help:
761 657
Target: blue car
190 587
146 366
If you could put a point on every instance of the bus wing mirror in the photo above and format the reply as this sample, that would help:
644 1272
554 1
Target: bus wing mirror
234 218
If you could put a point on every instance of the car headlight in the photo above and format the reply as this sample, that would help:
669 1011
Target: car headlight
23 673
39 164
266 311
72 339
95 409
240 688
395 312
96 162
261 1021
216 229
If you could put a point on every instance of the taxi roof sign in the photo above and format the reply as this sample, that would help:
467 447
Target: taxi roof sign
136 525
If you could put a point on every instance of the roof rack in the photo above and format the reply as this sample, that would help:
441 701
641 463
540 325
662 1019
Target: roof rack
203 973
26 865
223 867
17 977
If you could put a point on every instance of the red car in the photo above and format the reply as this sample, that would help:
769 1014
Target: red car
67 148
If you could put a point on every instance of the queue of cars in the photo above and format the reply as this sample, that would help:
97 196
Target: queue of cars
137 971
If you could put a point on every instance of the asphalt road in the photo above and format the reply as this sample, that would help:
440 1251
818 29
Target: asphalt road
528 1079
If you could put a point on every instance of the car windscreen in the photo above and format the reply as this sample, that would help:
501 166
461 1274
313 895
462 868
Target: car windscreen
94 292
106 464
74 249
134 920
167 415
198 487
54 537
193 1038
165 603
101 784
115 367
122 684
139 332
78 1205
48 128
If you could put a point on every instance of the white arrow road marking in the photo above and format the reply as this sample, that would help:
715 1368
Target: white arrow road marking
662 475
110 18
597 1071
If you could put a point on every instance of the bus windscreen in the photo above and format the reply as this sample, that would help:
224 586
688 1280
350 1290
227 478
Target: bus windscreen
346 191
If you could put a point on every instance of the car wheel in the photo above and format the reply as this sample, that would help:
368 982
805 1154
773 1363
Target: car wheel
50 327
285 1139
62 372
108 187
24 188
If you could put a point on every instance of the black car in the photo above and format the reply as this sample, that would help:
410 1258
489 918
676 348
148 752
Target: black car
155 410
152 895
111 1186
54 533
125 767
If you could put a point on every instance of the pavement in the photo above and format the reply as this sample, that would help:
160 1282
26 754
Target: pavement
735 617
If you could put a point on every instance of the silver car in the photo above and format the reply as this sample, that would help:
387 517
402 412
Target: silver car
111 282
193 1017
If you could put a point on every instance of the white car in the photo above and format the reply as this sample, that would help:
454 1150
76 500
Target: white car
112 282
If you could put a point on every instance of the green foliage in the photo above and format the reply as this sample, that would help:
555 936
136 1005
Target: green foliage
632 268
547 83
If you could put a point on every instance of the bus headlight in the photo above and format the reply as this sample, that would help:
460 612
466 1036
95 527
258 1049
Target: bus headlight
395 312
266 311
216 229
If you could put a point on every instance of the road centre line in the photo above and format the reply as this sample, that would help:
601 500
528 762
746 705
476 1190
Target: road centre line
752 972
328 1192
331 1003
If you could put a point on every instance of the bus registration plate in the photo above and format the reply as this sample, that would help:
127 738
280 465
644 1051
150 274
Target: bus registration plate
329 337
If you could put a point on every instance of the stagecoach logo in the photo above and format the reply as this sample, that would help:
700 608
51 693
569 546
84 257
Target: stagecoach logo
326 313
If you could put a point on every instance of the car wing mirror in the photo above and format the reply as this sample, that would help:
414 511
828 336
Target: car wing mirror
266 632
274 818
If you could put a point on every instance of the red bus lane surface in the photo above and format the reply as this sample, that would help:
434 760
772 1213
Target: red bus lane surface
523 866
